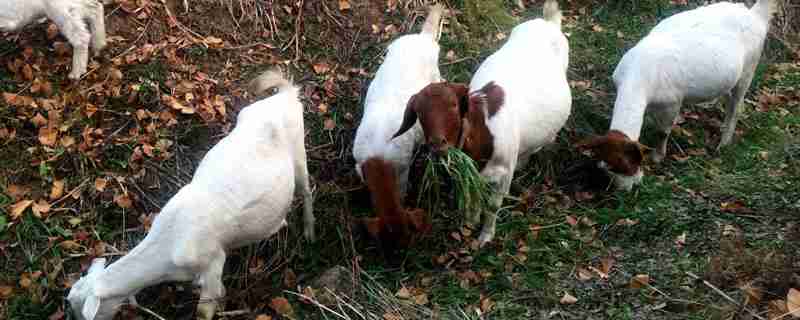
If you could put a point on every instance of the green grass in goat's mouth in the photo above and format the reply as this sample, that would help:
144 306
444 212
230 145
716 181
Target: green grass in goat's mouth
472 192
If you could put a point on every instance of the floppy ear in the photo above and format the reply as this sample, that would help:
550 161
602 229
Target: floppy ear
419 219
409 118
90 307
374 226
462 92
491 96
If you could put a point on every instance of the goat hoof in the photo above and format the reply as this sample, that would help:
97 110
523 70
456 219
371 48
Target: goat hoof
75 75
205 311
656 157
310 235
722 145
485 238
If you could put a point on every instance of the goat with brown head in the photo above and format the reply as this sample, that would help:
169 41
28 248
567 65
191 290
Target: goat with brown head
620 155
452 117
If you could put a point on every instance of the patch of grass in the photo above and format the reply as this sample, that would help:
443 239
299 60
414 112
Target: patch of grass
472 193
150 78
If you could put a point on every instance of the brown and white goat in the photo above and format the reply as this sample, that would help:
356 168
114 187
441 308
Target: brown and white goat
383 163
520 100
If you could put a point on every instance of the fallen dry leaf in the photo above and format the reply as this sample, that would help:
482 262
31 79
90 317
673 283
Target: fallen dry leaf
626 222
344 5
639 281
18 208
572 221
48 136
736 206
281 306
329 124
100 184
487 304
38 120
320 68
57 190
753 294
70 245
6 291
568 299
793 302
777 309
263 317
451 55
40 208
403 293
421 299
584 275
123 201
16 192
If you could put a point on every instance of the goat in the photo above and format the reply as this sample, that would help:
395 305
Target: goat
69 16
519 101
240 194
694 56
412 61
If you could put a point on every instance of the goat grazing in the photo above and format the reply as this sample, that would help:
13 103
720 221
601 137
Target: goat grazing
412 62
520 100
69 16
693 56
240 194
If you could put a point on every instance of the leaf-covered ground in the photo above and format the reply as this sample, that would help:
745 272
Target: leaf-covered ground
85 167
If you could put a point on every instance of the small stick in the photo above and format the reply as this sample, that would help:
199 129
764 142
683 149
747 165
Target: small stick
233 313
148 311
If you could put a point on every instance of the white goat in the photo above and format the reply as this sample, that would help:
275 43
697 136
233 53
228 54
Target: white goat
520 100
411 63
240 194
70 16
693 56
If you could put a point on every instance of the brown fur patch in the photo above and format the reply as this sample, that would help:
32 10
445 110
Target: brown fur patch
622 154
479 142
393 226
491 96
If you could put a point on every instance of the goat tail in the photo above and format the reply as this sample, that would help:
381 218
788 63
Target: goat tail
433 23
765 9
552 13
272 78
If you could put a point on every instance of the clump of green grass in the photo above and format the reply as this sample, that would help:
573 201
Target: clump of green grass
471 191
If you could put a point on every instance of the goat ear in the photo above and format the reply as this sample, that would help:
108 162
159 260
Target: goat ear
462 92
491 97
419 218
374 226
90 307
409 118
